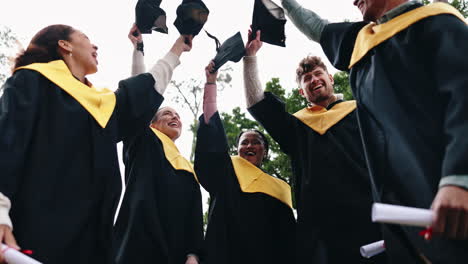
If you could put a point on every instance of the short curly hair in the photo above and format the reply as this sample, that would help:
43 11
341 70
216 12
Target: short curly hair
308 64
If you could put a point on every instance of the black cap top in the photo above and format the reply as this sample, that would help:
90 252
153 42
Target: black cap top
191 16
149 16
269 18
231 50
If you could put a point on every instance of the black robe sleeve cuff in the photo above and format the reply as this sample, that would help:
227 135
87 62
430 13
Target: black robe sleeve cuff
337 41
211 137
137 102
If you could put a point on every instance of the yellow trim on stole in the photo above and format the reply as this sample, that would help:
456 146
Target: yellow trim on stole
372 35
100 103
173 155
253 180
320 119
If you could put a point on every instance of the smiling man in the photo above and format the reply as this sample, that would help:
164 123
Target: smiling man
332 186
408 73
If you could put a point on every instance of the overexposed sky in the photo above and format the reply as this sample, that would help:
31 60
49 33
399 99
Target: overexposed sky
107 24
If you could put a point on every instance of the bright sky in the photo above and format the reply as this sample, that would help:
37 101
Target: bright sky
107 24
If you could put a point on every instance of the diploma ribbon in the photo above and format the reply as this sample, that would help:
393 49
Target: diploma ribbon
426 233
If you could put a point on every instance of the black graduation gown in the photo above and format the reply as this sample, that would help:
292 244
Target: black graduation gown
332 187
59 167
161 219
242 227
412 104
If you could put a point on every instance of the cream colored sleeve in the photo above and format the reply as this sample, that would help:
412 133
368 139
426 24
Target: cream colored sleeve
138 62
253 87
162 71
5 206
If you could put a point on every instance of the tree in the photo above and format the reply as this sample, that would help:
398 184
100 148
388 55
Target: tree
190 95
8 41
342 85
461 6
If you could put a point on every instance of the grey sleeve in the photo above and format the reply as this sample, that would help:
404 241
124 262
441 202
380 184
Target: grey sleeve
307 21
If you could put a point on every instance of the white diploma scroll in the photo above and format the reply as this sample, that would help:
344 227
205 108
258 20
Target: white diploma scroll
373 249
402 215
13 256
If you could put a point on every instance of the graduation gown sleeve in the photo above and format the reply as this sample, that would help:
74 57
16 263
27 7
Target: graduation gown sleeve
18 113
337 41
269 120
137 102
447 62
212 148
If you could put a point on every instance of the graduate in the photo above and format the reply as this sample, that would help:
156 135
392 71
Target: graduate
250 216
332 186
405 62
58 158
160 220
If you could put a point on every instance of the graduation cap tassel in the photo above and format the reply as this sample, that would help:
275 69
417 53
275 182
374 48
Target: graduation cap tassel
217 42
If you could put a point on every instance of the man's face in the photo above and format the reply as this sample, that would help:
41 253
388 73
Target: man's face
317 85
372 10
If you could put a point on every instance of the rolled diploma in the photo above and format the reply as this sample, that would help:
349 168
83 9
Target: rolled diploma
373 249
13 256
402 215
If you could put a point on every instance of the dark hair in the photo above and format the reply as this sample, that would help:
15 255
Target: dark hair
44 45
308 64
266 144
155 116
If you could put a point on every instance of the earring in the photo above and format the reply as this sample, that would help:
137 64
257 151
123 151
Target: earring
70 54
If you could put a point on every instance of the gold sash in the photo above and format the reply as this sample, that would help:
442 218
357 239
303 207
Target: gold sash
372 34
173 155
320 119
253 180
99 103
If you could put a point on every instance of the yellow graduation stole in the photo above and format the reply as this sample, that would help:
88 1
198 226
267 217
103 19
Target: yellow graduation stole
177 161
99 103
253 180
372 34
320 119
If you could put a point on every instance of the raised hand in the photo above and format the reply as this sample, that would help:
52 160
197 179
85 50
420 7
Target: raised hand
135 35
182 44
210 75
253 44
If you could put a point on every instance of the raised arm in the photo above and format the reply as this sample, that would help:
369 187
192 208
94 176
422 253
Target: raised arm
252 85
209 96
266 108
138 63
307 21
136 104
163 69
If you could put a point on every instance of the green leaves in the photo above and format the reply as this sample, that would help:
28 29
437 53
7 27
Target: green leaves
8 41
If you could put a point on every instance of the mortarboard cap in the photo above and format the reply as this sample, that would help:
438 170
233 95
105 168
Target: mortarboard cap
231 50
270 19
149 16
191 16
